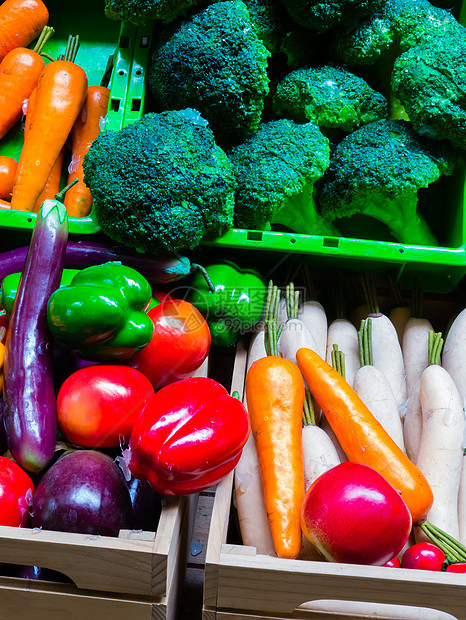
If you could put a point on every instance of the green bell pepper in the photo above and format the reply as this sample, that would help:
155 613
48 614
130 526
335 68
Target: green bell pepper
101 314
10 286
232 303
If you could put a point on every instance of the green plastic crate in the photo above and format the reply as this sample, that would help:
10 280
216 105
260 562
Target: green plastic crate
100 37
438 269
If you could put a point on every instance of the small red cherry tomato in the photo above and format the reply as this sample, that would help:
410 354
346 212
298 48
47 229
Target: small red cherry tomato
16 493
179 345
98 404
423 556
393 563
459 567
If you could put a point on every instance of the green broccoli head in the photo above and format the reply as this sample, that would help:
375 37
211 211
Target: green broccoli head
276 170
142 11
215 63
395 27
430 82
270 22
162 183
329 96
321 15
377 170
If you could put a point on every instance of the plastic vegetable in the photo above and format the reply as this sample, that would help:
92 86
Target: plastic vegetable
188 437
7 175
88 125
352 514
98 405
84 491
179 344
377 171
10 285
16 491
423 556
275 398
61 91
30 410
21 21
235 304
440 455
214 62
79 254
361 436
20 70
101 314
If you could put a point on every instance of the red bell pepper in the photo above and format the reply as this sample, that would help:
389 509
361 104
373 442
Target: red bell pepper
188 437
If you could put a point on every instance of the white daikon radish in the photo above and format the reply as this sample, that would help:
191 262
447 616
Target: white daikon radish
295 335
415 355
342 332
313 315
372 385
387 355
333 438
453 357
462 503
386 350
249 494
440 456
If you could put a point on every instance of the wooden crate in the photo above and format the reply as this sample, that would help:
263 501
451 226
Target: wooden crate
241 584
135 576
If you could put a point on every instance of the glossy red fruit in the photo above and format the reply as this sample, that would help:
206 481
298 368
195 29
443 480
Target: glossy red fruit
98 405
393 563
423 556
459 567
180 343
353 515
16 493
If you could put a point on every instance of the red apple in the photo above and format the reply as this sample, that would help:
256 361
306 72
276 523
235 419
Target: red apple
353 515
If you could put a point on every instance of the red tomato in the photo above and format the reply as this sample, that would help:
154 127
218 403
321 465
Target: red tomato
16 493
179 345
423 556
3 325
459 567
393 563
98 404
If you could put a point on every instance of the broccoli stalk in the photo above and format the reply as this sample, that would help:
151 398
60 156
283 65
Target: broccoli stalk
300 214
276 170
401 216
378 169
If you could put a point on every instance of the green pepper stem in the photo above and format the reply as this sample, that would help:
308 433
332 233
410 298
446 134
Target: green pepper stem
196 267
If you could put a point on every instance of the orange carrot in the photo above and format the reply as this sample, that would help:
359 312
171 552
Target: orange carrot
275 397
21 21
8 167
60 95
361 436
19 73
4 204
78 200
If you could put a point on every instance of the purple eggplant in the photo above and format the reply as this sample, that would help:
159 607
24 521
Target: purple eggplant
80 254
83 492
30 415
3 442
146 503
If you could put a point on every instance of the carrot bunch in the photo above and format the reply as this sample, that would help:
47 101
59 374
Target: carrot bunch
60 107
